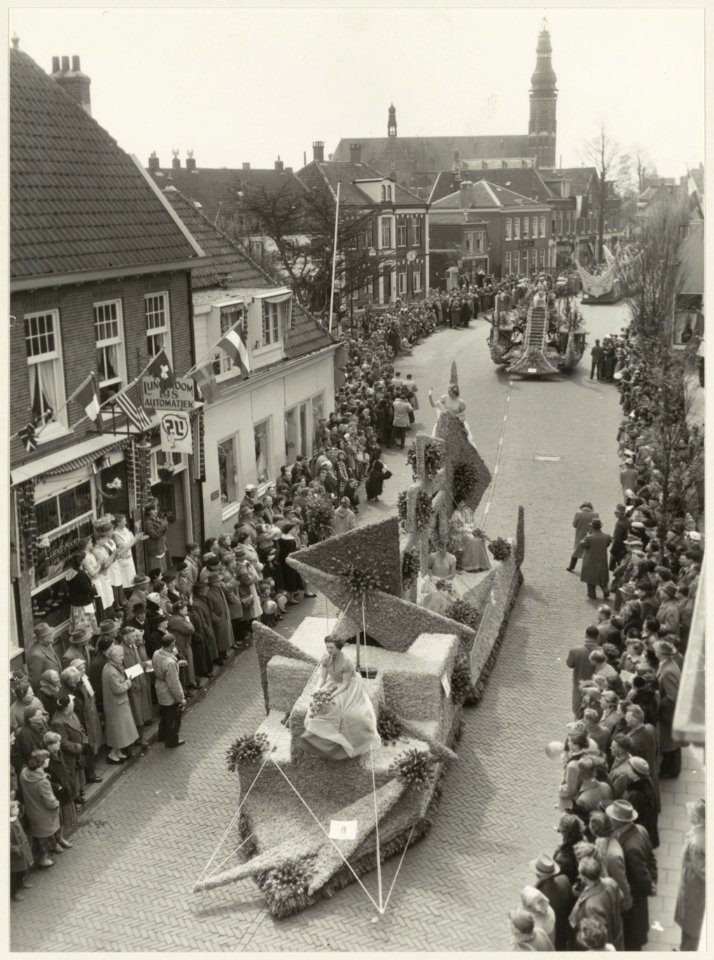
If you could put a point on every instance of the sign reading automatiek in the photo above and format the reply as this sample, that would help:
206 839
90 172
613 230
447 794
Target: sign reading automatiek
180 397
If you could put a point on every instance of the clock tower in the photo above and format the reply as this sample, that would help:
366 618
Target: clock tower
543 98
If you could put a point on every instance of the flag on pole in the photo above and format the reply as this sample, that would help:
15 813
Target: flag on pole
28 436
160 367
234 346
203 377
133 412
87 397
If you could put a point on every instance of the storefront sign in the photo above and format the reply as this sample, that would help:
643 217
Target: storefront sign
58 547
180 397
176 432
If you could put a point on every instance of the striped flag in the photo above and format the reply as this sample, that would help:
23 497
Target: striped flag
234 346
86 397
134 413
203 377
28 436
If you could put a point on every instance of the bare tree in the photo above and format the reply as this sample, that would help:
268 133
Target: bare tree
603 153
643 166
653 274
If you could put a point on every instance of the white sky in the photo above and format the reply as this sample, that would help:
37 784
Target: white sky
240 85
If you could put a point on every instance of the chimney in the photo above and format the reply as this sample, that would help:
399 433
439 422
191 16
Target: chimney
279 165
318 151
176 162
245 166
154 164
190 161
466 194
355 153
72 80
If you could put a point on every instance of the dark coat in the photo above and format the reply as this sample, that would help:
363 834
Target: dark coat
96 668
602 901
201 618
582 668
20 851
642 795
641 870
565 857
220 617
27 739
42 657
644 744
73 743
80 589
291 578
374 485
63 783
619 535
668 678
595 571
561 898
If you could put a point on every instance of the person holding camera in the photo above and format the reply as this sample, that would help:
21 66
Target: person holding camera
169 691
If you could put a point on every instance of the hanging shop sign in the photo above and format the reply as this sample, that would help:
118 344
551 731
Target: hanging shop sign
180 397
175 431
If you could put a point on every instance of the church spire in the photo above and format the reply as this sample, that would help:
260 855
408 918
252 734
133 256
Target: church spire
543 99
392 121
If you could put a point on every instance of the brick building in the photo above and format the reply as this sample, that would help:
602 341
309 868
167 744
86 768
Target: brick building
100 281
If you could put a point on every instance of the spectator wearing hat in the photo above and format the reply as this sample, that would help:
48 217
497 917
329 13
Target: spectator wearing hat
182 629
640 868
557 889
200 616
582 523
23 696
63 787
668 679
628 476
139 593
249 496
119 724
600 899
158 626
643 739
620 534
30 736
525 935
642 794
135 654
579 662
155 527
220 615
74 739
42 655
169 692
691 897
47 691
211 564
594 570
76 684
668 612
41 806
610 854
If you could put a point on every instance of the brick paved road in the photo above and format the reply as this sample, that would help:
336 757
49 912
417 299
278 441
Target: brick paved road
127 883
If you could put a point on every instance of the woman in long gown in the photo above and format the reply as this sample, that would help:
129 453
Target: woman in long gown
345 726
473 552
452 404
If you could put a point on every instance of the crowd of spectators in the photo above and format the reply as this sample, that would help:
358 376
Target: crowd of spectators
592 892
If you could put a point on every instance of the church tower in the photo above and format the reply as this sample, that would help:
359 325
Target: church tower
543 96
392 121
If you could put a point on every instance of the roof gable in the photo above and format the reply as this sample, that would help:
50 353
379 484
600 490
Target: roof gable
321 174
78 202
524 181
485 195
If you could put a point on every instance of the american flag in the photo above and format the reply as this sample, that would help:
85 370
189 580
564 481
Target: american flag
135 414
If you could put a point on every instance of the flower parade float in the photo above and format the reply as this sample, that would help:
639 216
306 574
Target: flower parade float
308 826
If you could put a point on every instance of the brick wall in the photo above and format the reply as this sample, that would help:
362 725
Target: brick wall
75 305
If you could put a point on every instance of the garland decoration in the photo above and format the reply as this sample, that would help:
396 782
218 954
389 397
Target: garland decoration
464 612
465 480
415 768
319 517
361 583
27 522
402 509
500 548
433 460
410 568
422 510
462 686
246 749
389 726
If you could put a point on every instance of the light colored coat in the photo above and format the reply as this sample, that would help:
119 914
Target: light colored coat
41 805
118 719
166 671
581 522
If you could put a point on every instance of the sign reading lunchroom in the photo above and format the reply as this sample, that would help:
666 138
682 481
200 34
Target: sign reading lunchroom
179 397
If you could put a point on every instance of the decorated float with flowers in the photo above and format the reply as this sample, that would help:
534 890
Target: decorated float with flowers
305 826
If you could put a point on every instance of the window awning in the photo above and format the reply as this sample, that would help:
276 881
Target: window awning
64 461
278 297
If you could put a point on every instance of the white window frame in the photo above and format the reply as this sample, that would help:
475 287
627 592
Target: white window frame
479 241
534 227
385 223
417 232
268 422
163 330
402 232
416 281
469 244
509 229
229 507
401 283
270 323
517 262
226 368
58 425
541 257
516 228
525 228
118 340
507 263
541 226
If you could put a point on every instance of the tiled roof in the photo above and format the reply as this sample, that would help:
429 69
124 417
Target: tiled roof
580 178
214 187
525 181
232 267
691 257
78 202
431 154
320 173
485 195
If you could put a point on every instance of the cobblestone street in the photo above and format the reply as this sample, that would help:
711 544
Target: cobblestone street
126 885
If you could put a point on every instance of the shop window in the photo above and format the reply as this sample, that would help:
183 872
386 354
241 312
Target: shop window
51 604
507 262
525 228
262 451
44 361
158 330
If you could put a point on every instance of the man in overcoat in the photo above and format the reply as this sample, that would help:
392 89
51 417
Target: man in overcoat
43 655
579 662
556 887
640 868
594 571
600 899
668 678
582 520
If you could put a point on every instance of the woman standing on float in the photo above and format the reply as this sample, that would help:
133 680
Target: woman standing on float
452 404
346 725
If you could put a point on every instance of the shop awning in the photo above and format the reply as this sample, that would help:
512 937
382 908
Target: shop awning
64 461
278 297
689 724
